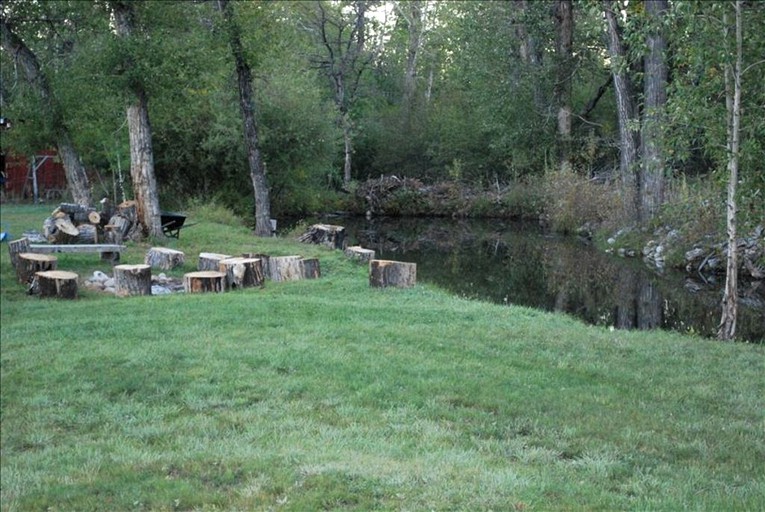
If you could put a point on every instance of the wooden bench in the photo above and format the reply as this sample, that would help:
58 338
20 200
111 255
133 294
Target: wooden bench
109 252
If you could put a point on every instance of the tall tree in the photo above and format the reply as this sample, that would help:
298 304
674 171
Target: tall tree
564 16
139 128
625 107
342 33
77 178
247 107
733 107
655 99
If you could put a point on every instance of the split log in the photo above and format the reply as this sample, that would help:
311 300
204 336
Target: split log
325 234
359 253
29 263
384 273
59 230
132 280
242 272
164 258
16 247
86 234
204 281
285 268
57 284
211 260
311 268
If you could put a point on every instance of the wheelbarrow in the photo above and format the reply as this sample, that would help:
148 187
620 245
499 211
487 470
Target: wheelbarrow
172 223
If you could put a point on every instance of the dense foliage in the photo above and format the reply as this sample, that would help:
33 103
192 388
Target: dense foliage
466 92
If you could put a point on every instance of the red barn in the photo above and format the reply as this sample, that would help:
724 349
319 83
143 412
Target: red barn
19 179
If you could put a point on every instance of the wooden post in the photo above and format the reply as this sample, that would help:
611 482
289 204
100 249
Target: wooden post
211 260
359 253
132 280
57 284
164 258
242 272
29 263
384 273
16 247
204 281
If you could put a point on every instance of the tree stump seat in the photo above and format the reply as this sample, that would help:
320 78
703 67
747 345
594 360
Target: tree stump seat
385 273
132 280
204 281
29 263
57 284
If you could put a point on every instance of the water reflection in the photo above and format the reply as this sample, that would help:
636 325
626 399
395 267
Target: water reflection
510 262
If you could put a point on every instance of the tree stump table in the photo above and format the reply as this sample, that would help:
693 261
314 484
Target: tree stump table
242 272
29 263
164 258
204 281
132 280
56 284
211 260
384 273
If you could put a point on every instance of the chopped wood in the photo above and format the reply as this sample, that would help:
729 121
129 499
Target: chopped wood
30 263
164 258
59 230
325 234
384 273
210 260
359 253
132 280
15 247
56 284
87 234
242 272
204 281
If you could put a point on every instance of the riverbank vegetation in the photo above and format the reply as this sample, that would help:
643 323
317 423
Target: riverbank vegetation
329 395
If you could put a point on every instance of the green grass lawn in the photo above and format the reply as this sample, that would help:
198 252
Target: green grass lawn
329 395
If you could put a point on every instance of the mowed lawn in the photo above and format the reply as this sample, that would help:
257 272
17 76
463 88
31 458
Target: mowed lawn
327 394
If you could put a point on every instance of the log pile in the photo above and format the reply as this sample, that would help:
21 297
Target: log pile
76 224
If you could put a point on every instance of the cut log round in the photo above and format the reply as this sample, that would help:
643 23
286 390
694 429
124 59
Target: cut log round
311 269
211 260
60 230
57 284
132 280
16 247
325 234
30 263
359 253
204 281
86 234
164 258
285 268
242 272
384 273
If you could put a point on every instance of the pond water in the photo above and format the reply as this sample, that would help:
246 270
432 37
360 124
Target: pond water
511 262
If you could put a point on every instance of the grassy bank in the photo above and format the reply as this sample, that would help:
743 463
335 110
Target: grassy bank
328 395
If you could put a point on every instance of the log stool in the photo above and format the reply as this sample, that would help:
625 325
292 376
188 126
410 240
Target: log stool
310 268
132 280
164 258
211 260
29 263
16 247
285 268
204 281
242 272
384 273
359 253
56 284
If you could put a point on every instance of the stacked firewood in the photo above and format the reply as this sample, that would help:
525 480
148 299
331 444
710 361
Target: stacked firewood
77 224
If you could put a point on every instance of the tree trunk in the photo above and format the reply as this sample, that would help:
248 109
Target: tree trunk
347 150
655 92
139 128
625 107
727 330
564 14
76 177
247 107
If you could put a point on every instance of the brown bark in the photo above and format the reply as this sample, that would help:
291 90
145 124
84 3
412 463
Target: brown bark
139 129
655 99
247 107
76 177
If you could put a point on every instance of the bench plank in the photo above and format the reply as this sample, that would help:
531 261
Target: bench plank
48 248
